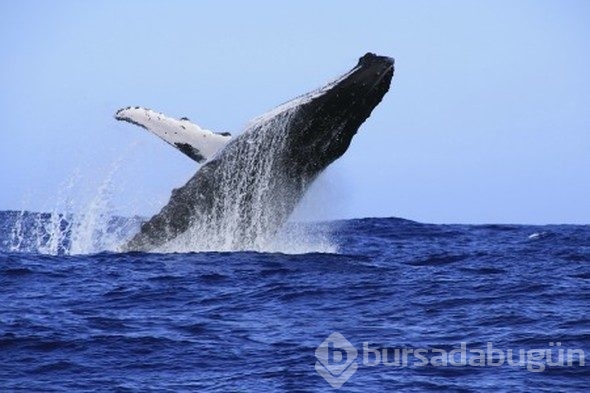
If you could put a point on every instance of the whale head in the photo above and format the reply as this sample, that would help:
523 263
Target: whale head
324 121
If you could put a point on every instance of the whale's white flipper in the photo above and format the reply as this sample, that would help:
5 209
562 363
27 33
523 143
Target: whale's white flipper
196 142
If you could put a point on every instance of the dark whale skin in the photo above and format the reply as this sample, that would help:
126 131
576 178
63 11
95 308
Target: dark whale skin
248 190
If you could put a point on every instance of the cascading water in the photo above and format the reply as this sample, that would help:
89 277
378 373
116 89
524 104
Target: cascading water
77 227
243 195
255 195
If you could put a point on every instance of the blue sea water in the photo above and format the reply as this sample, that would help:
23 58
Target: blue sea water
247 321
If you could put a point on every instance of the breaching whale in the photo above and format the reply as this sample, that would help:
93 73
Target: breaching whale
249 185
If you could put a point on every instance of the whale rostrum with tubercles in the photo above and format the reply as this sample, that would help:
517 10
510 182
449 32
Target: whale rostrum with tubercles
247 186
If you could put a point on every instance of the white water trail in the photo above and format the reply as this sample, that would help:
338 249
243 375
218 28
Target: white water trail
253 200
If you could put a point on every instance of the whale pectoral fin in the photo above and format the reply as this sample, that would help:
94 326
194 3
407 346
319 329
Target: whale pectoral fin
197 143
190 151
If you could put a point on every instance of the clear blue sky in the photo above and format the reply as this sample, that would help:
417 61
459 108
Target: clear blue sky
487 120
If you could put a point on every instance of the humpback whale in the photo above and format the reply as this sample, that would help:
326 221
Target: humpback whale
247 186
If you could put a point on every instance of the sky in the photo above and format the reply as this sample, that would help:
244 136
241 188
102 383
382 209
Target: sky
487 119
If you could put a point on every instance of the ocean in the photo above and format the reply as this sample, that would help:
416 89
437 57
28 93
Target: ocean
511 301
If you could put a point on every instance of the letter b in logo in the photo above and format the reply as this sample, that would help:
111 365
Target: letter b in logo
336 360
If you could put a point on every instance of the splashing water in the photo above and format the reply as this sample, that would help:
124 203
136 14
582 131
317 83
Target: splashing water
91 229
84 228
253 196
17 235
68 230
